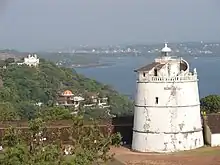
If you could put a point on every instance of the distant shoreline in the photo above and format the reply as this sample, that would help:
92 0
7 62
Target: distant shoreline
89 65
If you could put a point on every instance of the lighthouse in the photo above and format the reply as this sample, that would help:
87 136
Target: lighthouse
167 107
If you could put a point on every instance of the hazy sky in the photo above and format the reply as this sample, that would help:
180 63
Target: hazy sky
51 24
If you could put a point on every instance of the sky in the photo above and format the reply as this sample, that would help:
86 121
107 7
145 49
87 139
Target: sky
53 24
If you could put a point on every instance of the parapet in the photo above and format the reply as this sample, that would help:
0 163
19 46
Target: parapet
178 79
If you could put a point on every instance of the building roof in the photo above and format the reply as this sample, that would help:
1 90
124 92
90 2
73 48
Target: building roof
148 67
213 121
67 93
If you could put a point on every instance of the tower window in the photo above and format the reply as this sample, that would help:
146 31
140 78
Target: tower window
155 72
144 74
156 100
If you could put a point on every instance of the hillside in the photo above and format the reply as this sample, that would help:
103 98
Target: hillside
22 87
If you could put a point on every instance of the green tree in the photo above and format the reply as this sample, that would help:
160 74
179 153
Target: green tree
54 113
6 94
27 110
89 145
42 154
14 151
210 104
7 112
11 137
18 152
36 125
47 155
18 155
96 113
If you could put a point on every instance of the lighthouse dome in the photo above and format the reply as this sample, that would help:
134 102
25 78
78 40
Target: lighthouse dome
166 49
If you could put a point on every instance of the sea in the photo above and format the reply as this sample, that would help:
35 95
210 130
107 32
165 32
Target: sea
121 76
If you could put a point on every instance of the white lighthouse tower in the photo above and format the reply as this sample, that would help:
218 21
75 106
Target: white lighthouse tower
167 107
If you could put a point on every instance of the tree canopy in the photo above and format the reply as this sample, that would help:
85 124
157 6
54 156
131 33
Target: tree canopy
210 104
87 145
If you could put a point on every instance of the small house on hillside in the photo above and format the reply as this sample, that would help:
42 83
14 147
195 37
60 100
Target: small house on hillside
68 99
211 126
95 99
92 96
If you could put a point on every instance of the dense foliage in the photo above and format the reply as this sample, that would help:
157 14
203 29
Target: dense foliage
210 104
87 145
22 87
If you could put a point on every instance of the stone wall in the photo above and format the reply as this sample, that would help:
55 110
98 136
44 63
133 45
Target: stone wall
123 125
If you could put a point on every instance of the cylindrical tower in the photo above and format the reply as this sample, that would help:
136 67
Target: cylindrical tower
167 108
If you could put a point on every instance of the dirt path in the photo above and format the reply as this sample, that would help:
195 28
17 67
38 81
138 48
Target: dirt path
203 156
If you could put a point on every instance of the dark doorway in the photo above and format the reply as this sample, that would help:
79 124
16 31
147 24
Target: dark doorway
155 72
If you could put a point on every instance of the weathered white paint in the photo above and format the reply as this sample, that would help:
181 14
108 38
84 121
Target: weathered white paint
174 123
215 140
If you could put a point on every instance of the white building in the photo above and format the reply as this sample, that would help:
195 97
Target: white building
31 60
211 127
68 99
167 107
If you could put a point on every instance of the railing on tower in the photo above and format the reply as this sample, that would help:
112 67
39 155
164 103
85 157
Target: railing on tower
169 79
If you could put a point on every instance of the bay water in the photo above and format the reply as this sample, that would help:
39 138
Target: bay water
121 76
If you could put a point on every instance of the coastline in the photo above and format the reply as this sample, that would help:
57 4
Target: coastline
89 65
